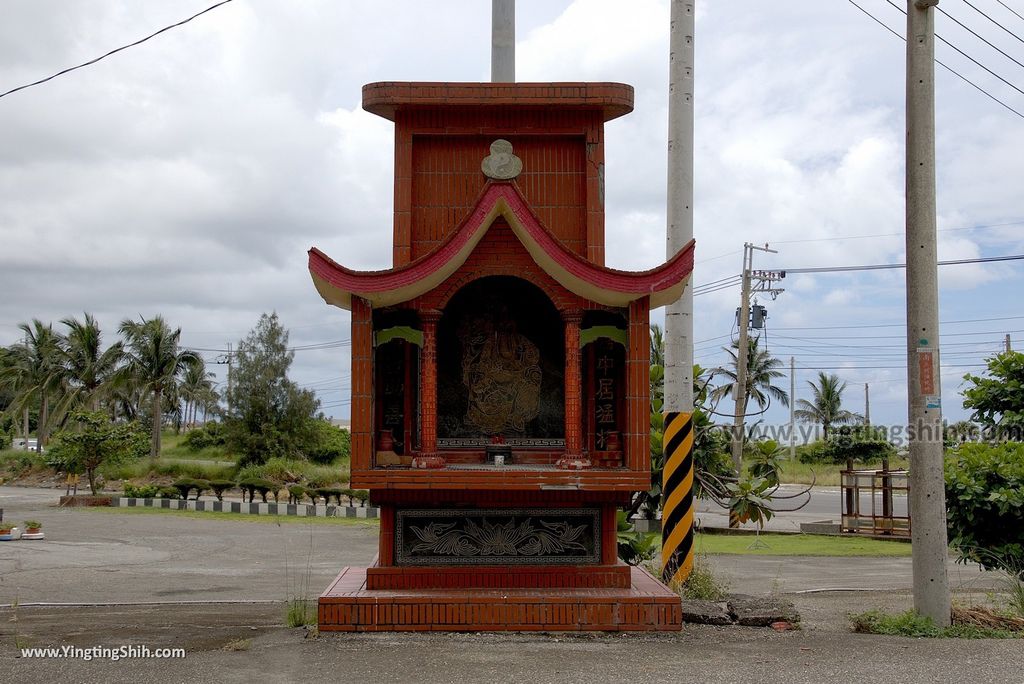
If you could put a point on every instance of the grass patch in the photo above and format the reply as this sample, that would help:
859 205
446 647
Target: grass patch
826 474
237 517
702 584
911 624
144 469
299 613
799 545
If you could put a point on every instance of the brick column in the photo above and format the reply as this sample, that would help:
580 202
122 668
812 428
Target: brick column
573 457
362 385
428 457
638 393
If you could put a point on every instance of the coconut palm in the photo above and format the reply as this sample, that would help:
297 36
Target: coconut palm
826 406
762 368
155 361
89 370
34 374
195 389
657 345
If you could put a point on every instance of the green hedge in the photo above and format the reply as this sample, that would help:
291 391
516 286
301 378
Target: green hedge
985 504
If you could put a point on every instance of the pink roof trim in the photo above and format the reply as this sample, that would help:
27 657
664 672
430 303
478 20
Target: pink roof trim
572 271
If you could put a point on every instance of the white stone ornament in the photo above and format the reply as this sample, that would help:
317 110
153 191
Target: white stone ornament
501 164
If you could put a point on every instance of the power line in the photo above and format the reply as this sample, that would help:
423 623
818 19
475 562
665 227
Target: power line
981 38
964 53
972 6
896 325
114 51
1009 8
877 267
878 235
941 64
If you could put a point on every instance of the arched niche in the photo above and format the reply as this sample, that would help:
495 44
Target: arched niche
500 366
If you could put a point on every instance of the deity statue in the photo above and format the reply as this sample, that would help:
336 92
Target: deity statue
501 372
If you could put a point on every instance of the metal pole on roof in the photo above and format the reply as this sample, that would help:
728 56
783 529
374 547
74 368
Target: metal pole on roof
503 41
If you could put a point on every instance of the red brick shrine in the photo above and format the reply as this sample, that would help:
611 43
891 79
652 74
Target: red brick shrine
500 391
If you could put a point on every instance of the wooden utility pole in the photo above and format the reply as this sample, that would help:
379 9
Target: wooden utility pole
1009 347
927 486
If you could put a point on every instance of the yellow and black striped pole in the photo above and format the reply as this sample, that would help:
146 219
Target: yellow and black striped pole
677 495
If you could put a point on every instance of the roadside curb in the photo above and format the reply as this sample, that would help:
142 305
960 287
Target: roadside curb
247 508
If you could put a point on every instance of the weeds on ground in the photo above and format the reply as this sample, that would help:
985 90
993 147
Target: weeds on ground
702 584
973 623
237 645
301 610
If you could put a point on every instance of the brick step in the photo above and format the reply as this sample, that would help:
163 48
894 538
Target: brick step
499 577
646 605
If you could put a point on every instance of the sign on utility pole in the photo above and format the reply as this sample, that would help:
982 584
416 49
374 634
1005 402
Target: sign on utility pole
927 488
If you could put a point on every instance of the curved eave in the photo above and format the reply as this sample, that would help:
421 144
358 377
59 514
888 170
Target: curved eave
611 287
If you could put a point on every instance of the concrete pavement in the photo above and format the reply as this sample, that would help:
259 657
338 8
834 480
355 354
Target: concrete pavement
95 556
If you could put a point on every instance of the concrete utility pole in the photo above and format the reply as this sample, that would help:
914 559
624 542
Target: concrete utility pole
739 390
867 405
677 473
764 284
792 408
503 41
1009 347
927 489
679 314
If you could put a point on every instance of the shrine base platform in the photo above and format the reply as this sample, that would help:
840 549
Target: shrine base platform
644 605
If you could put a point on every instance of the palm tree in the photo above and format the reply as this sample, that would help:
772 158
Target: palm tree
89 369
155 362
826 407
657 345
34 374
195 388
762 368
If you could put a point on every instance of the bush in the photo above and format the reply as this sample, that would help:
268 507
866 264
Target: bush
328 443
187 484
210 435
360 495
148 491
328 492
985 505
5 439
859 443
257 485
221 486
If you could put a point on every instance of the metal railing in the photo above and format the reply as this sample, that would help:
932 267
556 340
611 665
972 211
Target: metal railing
875 502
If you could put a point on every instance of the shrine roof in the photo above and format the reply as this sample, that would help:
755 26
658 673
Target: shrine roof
385 98
612 287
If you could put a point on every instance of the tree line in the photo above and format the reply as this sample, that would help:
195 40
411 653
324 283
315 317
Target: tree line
145 376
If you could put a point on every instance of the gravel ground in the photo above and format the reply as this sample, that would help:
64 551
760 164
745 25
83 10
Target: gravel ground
184 563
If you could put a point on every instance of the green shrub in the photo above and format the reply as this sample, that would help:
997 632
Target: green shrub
210 435
147 491
296 493
187 484
860 443
328 492
328 443
360 495
985 504
257 485
5 439
221 486
168 493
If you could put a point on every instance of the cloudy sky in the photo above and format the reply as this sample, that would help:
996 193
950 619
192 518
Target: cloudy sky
188 176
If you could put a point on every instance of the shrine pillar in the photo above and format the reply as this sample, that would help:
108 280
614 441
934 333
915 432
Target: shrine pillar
573 457
428 457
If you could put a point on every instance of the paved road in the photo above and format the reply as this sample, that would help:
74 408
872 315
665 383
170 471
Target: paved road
105 556
823 503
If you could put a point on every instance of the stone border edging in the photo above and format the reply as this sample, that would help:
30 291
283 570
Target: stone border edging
259 508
